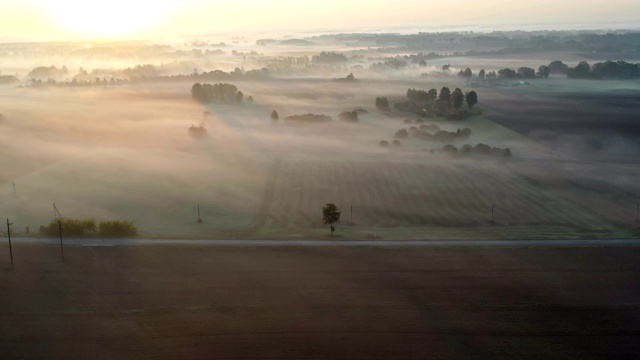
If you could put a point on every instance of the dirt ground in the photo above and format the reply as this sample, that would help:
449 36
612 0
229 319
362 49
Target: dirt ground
170 302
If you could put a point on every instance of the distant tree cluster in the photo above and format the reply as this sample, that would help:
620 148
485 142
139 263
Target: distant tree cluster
389 64
445 103
44 72
308 119
198 131
348 78
75 228
480 149
601 70
329 57
605 70
433 133
382 103
217 93
349 116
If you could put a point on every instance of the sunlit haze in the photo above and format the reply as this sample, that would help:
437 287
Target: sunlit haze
75 19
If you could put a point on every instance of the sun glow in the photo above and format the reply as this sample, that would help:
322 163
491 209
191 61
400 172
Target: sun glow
111 19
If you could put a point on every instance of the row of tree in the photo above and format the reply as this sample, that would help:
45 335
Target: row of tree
89 228
601 70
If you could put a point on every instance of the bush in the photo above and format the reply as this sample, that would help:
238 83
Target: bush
466 149
422 135
72 228
384 143
197 131
117 229
402 134
396 143
450 149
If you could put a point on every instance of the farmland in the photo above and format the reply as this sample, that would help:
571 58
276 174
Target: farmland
288 302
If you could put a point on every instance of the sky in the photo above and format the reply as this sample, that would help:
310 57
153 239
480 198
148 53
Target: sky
122 19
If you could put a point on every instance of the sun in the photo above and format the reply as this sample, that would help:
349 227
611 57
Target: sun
108 19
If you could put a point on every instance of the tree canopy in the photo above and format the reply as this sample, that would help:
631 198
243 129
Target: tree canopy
331 215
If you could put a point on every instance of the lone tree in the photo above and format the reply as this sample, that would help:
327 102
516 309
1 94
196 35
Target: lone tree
331 215
472 99
274 116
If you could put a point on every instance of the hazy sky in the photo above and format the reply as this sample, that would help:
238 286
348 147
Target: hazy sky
71 19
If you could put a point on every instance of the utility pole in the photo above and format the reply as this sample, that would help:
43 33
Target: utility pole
60 232
199 219
9 234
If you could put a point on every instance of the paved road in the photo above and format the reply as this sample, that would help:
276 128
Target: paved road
337 243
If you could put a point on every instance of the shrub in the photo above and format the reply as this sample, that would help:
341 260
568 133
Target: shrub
402 134
197 131
396 143
117 229
384 143
72 228
422 135
466 149
450 149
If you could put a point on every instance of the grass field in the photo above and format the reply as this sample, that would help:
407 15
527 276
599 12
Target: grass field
168 302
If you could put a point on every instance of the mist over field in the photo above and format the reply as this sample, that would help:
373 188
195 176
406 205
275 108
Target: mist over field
114 131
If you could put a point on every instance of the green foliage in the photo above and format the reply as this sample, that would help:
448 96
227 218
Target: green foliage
72 228
75 228
117 229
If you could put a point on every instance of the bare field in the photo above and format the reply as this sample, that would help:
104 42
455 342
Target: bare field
398 195
168 302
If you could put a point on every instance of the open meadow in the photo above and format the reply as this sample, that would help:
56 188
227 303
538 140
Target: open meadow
125 153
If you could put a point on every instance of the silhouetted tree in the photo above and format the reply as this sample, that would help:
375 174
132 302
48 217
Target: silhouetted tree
481 74
526 73
445 95
581 71
433 94
558 67
423 63
274 116
382 103
507 73
331 215
402 134
472 99
457 98
543 72
467 73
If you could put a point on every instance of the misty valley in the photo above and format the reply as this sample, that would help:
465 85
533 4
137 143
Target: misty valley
461 135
